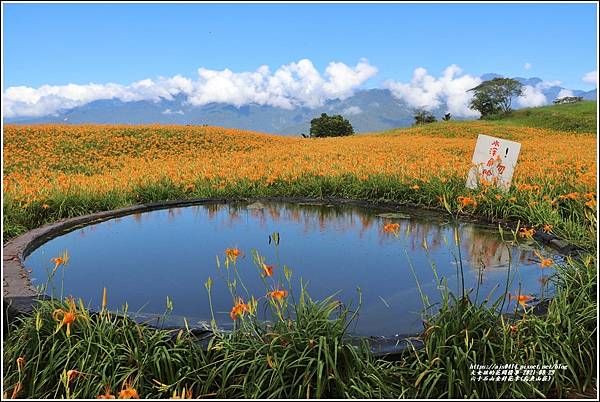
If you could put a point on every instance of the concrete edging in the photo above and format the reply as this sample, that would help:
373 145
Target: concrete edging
16 282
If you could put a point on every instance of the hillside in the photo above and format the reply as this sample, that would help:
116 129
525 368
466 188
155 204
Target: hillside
578 117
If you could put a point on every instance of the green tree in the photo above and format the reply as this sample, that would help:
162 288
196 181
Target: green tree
495 96
424 117
330 126
484 105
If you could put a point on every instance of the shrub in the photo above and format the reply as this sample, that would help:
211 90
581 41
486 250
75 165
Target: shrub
330 126
567 99
424 117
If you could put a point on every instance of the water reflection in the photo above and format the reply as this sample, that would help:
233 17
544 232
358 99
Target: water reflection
171 252
481 244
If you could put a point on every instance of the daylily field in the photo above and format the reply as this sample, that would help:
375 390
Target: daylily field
43 159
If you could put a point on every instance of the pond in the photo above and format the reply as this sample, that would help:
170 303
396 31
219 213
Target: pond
145 258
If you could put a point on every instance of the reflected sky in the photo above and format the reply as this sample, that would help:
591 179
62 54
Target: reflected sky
143 258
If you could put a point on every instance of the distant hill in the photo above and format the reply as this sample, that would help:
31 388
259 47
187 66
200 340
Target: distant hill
580 117
368 111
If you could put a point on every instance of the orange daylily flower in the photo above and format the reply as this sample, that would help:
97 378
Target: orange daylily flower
591 203
67 317
233 253
268 269
544 262
71 375
58 261
127 392
529 187
415 187
522 299
528 233
391 228
547 228
570 196
45 206
106 394
277 294
485 183
61 260
239 309
466 201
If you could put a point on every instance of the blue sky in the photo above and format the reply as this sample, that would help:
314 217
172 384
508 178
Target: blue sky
62 43
426 54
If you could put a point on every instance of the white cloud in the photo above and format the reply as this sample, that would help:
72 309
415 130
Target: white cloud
352 110
427 92
294 84
591 77
532 96
563 93
48 99
291 85
548 84
527 66
169 111
342 80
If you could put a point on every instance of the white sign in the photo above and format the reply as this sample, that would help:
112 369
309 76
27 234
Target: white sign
494 162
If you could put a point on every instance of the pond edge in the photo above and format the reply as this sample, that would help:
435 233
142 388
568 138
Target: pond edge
19 296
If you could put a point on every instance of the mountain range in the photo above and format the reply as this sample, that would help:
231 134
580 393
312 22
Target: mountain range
368 110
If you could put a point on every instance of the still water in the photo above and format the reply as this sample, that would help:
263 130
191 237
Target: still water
144 258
